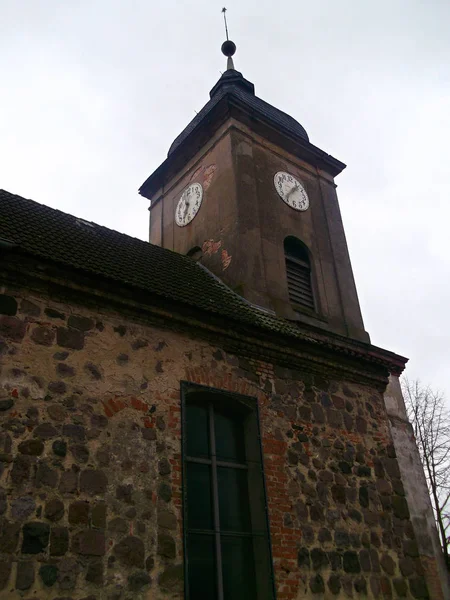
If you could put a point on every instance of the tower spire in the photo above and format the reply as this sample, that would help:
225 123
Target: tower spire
228 47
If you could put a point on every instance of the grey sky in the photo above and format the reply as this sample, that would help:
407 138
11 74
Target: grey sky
94 92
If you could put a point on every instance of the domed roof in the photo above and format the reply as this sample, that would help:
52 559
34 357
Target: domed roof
233 85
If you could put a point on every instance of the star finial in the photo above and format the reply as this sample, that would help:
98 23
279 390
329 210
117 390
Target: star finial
228 47
224 10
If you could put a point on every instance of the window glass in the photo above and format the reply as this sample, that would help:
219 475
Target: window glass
238 569
201 567
229 433
223 473
233 499
197 430
199 508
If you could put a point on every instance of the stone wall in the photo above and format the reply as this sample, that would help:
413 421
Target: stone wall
90 486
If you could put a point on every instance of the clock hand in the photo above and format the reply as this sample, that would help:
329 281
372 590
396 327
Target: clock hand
291 191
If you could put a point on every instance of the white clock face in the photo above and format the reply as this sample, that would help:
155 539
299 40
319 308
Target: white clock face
189 204
291 190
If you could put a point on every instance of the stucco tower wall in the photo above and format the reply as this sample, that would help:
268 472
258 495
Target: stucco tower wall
416 490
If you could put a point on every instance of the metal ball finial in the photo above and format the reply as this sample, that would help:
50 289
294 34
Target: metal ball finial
228 48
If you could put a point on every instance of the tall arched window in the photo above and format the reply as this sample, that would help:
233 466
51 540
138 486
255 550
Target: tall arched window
298 271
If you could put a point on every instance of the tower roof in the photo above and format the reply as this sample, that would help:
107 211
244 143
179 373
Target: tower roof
233 84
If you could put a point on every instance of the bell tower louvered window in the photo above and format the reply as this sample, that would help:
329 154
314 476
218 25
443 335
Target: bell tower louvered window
298 271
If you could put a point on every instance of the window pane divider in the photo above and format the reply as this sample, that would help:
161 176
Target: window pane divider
215 486
219 463
246 534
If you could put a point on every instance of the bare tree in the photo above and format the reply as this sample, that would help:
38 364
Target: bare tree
430 419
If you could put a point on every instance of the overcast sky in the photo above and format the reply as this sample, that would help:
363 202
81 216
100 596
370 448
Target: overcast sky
94 91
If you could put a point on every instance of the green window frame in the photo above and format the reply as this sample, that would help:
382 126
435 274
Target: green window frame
227 553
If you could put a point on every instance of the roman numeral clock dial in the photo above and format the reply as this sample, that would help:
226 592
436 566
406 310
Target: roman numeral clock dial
291 191
189 204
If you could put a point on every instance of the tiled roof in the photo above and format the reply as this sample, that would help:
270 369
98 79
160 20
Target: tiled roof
65 239
101 252
233 84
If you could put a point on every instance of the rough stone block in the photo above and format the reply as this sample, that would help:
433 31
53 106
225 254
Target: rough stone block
20 472
12 328
118 525
400 507
93 371
6 404
9 536
387 564
130 552
172 579
148 434
98 515
33 447
165 492
317 584
35 537
166 546
360 586
364 497
8 305
89 543
48 574
59 447
79 513
80 452
334 584
68 483
351 562
45 431
3 501
401 587
81 323
46 476
418 587
93 482
5 572
70 338
54 509
137 581
74 432
54 314
44 336
94 573
68 570
24 575
22 508
319 558
338 493
29 308
57 412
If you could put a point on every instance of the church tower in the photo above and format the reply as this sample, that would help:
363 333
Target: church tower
244 191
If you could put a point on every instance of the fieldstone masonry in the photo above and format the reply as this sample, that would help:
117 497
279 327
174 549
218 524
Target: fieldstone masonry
90 486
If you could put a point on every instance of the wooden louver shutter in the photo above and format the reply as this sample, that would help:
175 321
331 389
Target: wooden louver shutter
299 282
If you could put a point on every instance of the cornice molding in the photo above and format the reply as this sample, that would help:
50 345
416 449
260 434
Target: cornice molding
323 354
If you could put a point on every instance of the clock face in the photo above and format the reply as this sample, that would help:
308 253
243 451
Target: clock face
291 190
189 204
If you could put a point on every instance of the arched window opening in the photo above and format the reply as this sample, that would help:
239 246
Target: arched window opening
195 253
298 271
